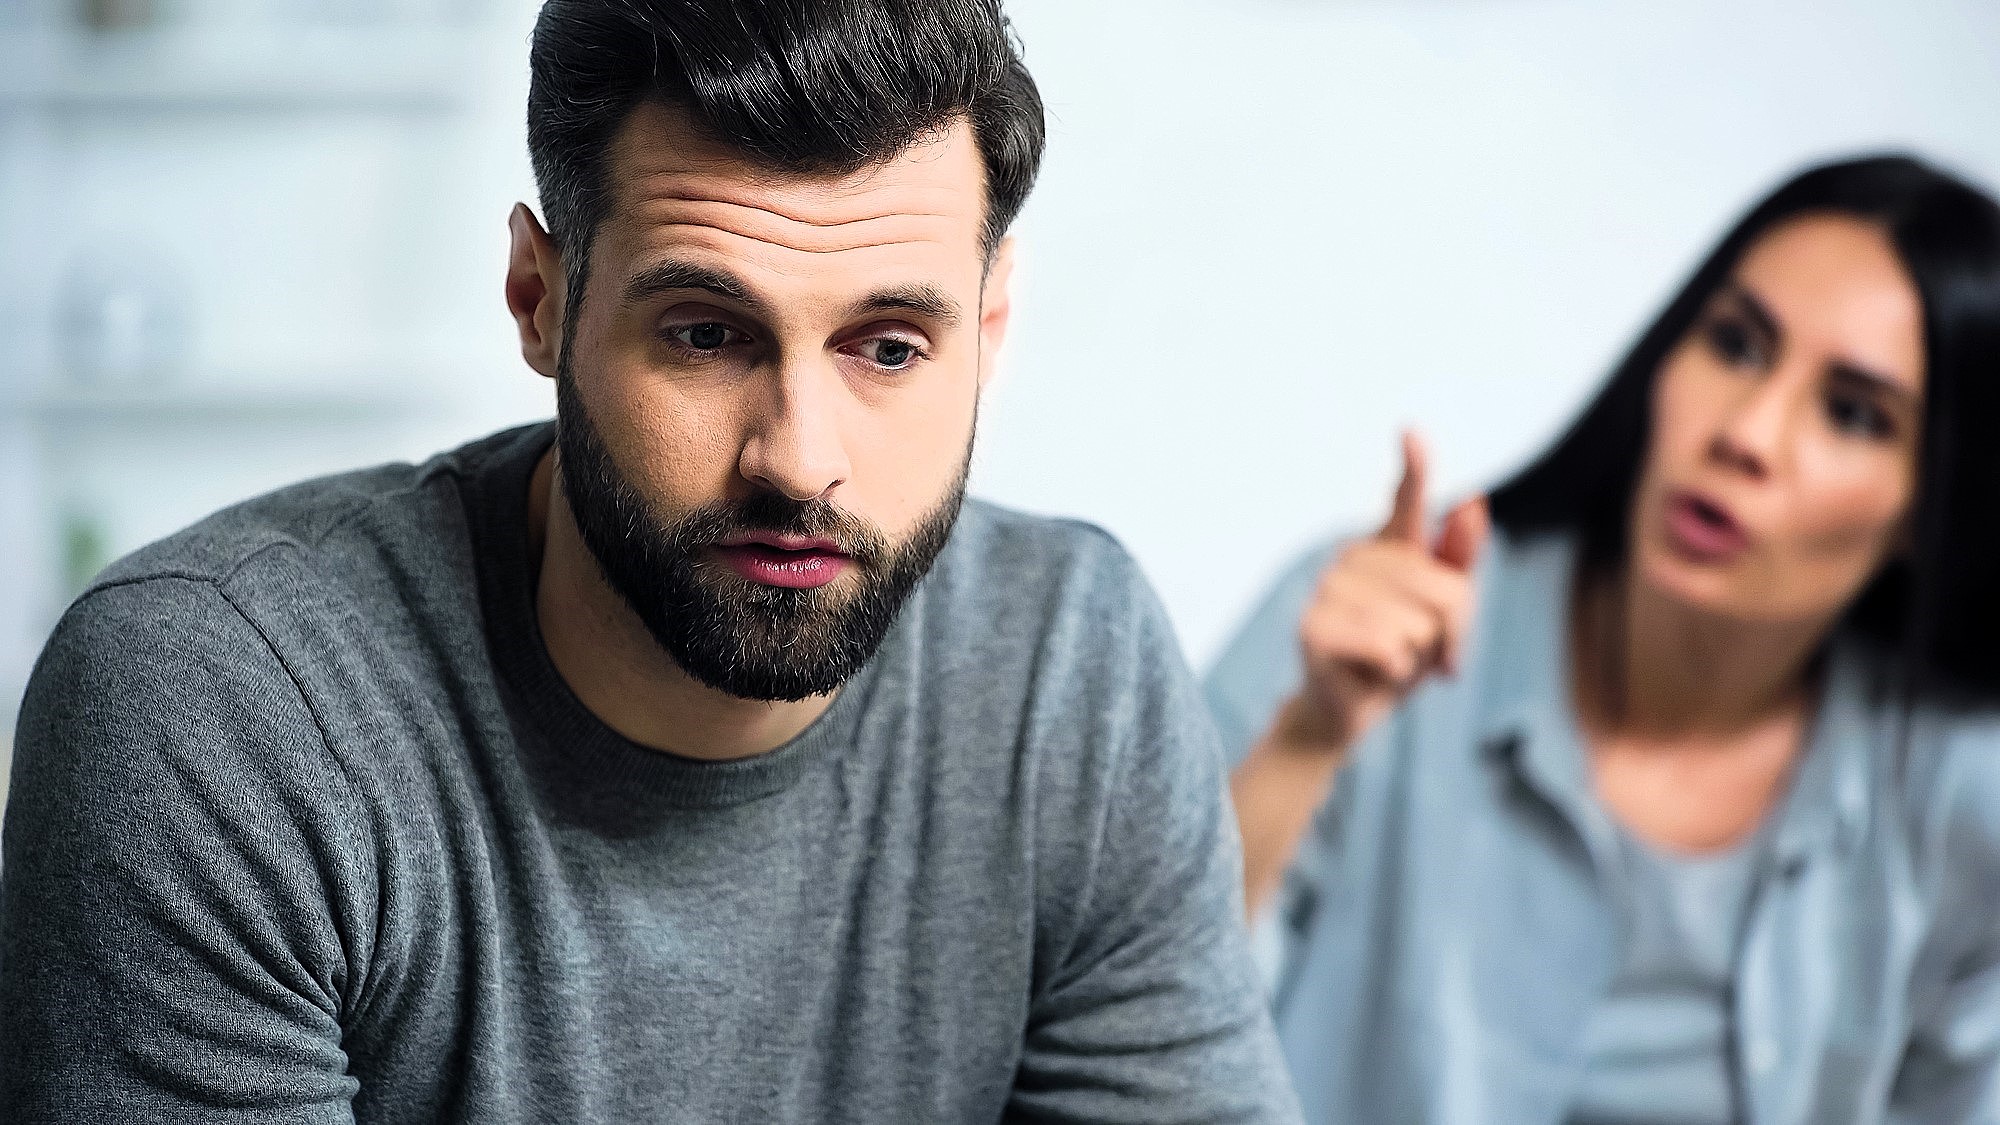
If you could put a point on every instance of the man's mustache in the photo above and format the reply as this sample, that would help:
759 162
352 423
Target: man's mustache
778 514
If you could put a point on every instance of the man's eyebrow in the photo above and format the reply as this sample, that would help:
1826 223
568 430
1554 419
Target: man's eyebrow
672 275
924 300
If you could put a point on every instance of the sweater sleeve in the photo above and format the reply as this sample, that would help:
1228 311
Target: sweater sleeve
1147 1008
183 903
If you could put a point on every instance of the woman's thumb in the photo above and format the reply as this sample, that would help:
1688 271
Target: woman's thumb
1463 535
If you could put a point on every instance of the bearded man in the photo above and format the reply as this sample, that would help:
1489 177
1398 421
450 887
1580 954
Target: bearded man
703 756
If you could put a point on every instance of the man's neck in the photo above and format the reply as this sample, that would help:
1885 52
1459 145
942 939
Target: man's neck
616 668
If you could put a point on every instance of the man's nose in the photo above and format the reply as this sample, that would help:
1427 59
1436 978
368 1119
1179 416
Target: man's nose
797 447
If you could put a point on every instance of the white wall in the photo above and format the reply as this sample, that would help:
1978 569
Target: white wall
1269 233
311 198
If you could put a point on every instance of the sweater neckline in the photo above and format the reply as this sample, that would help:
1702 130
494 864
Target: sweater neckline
586 762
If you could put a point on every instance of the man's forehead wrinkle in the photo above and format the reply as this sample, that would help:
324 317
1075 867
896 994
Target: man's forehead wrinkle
676 192
752 210
842 248
810 203
661 174
681 219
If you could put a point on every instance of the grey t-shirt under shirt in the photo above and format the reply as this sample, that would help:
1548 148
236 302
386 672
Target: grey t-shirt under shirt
306 828
1659 1047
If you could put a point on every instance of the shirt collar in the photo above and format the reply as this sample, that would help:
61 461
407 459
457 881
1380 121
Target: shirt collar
1526 716
1831 798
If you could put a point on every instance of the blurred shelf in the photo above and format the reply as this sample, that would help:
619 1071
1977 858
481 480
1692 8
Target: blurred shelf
219 405
418 68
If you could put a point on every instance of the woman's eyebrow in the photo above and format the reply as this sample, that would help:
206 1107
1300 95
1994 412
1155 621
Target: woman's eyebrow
1850 372
1753 308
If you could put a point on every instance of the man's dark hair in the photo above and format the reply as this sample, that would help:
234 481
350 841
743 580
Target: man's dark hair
820 86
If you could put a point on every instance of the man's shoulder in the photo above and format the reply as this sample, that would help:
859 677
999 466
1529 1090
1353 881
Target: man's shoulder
998 552
245 626
312 519
1042 592
326 573
1050 613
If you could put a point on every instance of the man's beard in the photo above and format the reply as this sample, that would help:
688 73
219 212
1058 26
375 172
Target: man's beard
734 635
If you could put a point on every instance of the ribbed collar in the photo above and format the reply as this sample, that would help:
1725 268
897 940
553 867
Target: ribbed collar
591 768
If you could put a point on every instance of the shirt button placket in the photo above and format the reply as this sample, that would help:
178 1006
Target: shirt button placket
1762 1056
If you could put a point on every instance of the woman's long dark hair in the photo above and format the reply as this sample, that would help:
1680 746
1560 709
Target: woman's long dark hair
1936 612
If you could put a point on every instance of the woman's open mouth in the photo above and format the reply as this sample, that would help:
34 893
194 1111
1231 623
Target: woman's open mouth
1703 530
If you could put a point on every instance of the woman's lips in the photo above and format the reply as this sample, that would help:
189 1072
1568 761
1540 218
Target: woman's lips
809 565
1703 529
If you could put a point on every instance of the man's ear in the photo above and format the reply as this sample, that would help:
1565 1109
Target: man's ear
996 308
535 283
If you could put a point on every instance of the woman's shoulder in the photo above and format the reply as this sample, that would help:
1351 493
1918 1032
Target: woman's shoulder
1955 815
1955 747
1943 751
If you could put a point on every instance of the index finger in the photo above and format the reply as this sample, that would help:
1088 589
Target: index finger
1406 513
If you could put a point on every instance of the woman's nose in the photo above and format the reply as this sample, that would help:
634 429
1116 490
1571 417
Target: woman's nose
1752 435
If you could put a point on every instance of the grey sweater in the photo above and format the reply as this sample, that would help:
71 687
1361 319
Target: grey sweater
306 827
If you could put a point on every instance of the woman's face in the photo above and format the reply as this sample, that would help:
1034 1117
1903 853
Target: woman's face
1781 468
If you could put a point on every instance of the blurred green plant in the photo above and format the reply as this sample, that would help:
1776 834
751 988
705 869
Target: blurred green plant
86 549
117 15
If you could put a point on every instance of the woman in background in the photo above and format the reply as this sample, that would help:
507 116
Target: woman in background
1679 799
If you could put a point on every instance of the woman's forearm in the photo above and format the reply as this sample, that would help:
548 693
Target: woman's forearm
1277 788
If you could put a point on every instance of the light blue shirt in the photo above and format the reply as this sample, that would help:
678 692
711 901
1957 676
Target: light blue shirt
1450 926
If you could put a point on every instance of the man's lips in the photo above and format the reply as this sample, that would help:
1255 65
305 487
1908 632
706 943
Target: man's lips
792 562
783 541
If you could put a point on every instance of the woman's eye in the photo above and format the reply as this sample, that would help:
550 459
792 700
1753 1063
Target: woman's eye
1853 414
708 336
1733 342
891 353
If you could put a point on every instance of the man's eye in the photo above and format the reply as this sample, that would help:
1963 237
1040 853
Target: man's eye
891 353
707 336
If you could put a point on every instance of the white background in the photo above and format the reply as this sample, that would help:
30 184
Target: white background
1268 234
1272 233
